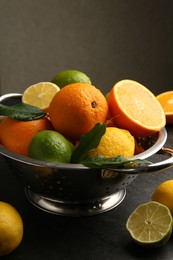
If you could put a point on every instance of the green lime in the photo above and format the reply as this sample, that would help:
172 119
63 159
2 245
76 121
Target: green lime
67 77
107 96
150 224
51 146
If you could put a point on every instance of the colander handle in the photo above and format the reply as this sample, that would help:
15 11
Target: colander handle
153 167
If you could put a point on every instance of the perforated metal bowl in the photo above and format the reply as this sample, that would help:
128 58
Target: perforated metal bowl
73 189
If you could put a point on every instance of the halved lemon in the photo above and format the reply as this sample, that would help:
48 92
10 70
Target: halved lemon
40 94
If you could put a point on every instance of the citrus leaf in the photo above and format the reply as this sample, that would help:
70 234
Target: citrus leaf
21 111
99 161
88 142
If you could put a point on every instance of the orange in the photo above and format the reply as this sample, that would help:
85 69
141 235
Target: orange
76 108
135 108
16 135
166 101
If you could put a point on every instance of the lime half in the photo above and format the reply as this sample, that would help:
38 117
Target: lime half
150 224
67 77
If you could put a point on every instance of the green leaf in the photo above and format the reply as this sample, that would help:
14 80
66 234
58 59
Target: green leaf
22 112
102 162
88 142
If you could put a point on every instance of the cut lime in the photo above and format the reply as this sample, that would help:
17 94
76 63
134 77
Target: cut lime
67 77
150 224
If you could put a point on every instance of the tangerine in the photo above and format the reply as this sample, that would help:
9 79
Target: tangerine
135 108
16 135
76 108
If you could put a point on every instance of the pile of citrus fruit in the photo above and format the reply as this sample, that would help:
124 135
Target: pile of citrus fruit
73 106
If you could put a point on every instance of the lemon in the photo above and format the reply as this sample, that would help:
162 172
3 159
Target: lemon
11 228
164 194
40 94
67 77
115 142
51 146
150 224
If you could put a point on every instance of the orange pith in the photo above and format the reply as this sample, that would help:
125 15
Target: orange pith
16 135
166 101
76 109
135 108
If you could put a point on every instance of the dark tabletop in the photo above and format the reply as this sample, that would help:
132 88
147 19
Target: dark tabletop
101 237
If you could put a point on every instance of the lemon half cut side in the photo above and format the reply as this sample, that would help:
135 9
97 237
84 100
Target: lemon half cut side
40 94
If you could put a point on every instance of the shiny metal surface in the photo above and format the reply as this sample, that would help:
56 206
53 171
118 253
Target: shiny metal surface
73 189
73 209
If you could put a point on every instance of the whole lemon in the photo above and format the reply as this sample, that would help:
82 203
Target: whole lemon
115 142
11 228
164 194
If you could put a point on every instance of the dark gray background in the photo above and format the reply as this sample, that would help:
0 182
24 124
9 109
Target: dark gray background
109 40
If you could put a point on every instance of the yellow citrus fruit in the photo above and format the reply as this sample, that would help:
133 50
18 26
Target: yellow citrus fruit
67 77
11 228
164 194
166 101
115 142
48 145
150 224
76 109
135 108
40 94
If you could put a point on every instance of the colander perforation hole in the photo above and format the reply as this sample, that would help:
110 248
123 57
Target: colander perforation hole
97 205
107 191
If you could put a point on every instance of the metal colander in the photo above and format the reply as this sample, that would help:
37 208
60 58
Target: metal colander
75 190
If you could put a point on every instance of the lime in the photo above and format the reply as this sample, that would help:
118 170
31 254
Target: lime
51 146
107 96
40 94
67 77
11 228
150 224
